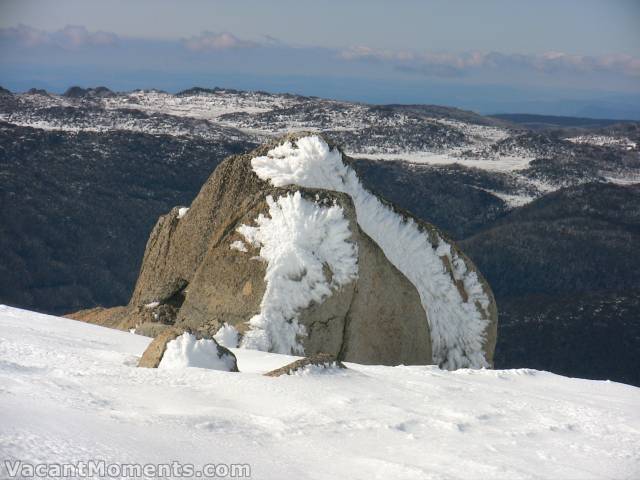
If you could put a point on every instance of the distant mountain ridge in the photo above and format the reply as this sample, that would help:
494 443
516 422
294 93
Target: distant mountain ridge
550 121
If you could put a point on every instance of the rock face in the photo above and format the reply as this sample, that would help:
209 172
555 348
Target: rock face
285 245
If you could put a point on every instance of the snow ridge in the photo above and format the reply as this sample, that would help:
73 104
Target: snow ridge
457 325
297 240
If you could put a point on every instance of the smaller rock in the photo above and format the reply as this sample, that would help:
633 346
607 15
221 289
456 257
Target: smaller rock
320 360
152 356
190 351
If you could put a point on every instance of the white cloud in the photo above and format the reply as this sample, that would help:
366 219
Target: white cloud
212 41
70 37
77 36
453 64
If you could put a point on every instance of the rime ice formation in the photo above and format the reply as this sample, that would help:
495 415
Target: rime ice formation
458 317
227 336
297 240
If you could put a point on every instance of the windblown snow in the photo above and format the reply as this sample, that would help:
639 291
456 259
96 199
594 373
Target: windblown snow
71 392
457 325
297 239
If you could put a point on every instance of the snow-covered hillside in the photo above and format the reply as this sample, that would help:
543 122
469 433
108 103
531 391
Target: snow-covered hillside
528 164
71 392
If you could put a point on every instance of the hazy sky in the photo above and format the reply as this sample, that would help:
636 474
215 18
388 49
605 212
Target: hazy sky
462 52
585 27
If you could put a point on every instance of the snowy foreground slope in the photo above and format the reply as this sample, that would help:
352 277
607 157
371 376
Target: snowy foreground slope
70 392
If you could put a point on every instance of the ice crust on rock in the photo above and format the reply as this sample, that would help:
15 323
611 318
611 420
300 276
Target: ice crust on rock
458 327
297 239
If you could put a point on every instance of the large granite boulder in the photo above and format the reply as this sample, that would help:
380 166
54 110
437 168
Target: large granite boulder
286 246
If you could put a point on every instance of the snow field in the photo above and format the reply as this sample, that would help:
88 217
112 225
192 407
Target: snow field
70 391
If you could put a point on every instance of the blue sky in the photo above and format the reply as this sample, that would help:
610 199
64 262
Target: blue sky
561 57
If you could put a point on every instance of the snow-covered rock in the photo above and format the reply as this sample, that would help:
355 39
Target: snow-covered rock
286 245
70 392
188 351
320 363
177 347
